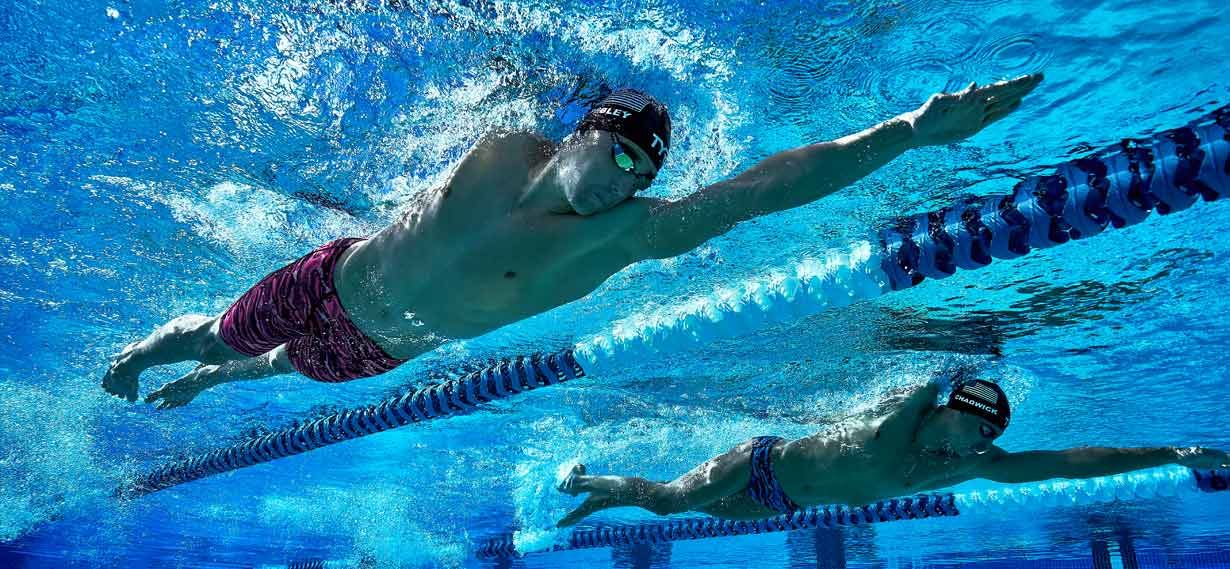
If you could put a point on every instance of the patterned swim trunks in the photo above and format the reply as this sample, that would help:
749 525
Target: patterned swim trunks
763 486
297 305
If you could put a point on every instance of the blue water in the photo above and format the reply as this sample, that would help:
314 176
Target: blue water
158 158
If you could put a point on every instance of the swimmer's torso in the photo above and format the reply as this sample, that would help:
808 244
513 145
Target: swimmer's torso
856 467
464 260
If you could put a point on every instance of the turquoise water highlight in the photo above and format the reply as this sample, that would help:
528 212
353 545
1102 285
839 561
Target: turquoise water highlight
158 160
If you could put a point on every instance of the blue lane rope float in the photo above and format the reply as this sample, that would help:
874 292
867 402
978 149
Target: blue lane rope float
703 527
456 397
1143 484
1118 187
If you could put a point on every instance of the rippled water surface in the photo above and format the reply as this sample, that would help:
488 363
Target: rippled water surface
158 158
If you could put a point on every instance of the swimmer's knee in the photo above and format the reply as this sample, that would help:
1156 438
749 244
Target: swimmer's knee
210 346
668 501
187 329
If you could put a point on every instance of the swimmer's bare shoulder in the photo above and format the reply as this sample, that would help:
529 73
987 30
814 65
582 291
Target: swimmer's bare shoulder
902 411
889 425
513 144
501 157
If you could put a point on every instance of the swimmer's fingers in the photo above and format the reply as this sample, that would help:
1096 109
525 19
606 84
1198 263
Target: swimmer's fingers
968 91
1006 92
123 388
173 394
997 103
173 401
183 390
108 384
158 394
1005 97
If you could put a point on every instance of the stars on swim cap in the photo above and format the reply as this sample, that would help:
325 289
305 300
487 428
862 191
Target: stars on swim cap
630 99
981 391
982 398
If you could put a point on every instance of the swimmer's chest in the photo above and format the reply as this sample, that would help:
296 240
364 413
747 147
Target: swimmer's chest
501 265
874 476
528 267
836 468
870 468
906 470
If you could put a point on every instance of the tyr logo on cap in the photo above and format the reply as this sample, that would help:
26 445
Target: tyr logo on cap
659 145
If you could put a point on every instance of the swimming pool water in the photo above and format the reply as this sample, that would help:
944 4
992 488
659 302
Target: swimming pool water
158 158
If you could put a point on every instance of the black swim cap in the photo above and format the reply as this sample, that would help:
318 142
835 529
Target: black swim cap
982 398
635 116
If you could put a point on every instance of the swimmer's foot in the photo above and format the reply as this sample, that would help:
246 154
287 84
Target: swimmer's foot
121 379
568 484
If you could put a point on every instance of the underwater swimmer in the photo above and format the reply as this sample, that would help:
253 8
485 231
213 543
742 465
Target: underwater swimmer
522 226
917 446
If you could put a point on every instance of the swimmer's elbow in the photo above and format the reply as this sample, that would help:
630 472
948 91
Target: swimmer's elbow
675 228
786 182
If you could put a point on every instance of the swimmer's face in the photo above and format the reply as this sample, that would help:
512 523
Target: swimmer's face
591 180
958 433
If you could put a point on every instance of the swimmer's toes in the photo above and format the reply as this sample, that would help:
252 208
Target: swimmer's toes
108 381
128 389
121 382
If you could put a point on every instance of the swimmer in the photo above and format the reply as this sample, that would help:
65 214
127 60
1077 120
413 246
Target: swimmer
912 446
521 226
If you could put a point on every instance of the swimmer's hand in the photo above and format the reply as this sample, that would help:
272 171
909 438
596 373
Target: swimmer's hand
1202 458
952 117
121 379
183 390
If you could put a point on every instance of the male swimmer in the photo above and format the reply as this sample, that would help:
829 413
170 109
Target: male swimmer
916 446
522 226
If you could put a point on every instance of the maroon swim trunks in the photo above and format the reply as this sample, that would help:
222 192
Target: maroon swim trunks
297 305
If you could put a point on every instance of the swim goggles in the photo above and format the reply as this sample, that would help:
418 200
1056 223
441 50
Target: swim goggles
624 159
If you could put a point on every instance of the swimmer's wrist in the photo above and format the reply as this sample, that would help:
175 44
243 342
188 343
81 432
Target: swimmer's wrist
905 122
902 128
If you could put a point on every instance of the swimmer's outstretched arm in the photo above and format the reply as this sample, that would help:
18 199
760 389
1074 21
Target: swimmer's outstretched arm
1088 462
185 389
803 175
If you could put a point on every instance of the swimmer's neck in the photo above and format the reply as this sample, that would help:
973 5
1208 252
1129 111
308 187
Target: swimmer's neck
544 192
917 448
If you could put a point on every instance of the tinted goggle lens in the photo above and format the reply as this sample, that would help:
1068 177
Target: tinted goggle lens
625 161
622 159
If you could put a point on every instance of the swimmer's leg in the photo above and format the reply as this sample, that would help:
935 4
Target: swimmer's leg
713 480
191 337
